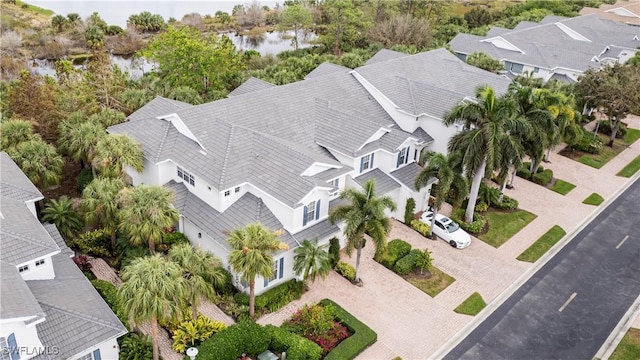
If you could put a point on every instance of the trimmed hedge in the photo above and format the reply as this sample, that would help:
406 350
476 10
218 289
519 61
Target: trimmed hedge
109 293
407 264
408 210
362 336
334 251
543 178
474 227
396 250
507 203
296 346
346 270
229 344
274 299
420 227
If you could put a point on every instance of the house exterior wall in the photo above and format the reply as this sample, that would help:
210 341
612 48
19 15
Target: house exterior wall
298 218
200 238
108 350
27 341
42 272
439 132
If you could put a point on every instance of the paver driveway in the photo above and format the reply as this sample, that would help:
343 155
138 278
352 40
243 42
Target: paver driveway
413 325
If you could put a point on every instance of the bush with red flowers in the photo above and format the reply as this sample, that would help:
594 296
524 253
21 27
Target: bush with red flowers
318 324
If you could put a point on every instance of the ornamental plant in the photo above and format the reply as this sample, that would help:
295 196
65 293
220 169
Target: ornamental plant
318 324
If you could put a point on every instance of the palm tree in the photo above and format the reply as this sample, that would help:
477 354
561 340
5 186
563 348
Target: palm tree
61 213
13 132
79 138
115 151
312 260
153 290
448 171
365 215
202 271
491 130
562 109
39 161
145 210
251 255
100 204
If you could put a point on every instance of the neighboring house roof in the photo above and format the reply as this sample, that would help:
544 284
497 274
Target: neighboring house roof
14 183
320 230
384 183
247 209
407 175
325 69
627 11
429 83
569 43
16 300
562 78
22 237
77 318
385 55
251 85
157 107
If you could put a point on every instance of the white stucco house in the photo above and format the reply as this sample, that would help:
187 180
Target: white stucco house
281 155
556 47
48 308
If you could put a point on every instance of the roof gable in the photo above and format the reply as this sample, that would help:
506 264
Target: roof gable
14 183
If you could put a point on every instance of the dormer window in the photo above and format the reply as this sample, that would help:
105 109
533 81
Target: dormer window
39 262
403 157
186 176
366 162
311 212
23 268
227 193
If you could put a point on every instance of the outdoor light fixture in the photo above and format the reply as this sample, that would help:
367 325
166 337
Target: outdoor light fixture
192 352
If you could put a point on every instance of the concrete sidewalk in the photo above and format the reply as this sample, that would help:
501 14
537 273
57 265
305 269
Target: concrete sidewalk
411 324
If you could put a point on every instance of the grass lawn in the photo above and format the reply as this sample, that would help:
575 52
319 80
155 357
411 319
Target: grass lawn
629 347
631 136
434 285
562 187
598 160
631 168
594 199
542 245
503 225
472 305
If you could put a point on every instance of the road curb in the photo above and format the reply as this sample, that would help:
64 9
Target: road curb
524 277
619 331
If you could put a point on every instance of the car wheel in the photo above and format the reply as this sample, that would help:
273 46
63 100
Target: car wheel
453 243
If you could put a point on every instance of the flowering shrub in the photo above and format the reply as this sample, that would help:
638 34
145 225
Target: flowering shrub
317 323
82 262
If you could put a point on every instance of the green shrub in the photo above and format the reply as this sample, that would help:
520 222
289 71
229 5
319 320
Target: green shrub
174 238
135 346
507 203
524 172
409 210
481 206
334 251
420 227
543 178
318 324
274 299
229 344
605 128
407 264
227 285
474 227
296 346
241 298
396 249
94 243
362 336
84 178
588 143
346 270
423 259
193 333
109 293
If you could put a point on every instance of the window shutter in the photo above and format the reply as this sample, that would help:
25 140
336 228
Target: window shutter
361 163
338 182
371 162
317 210
304 216
399 160
281 273
96 355
406 157
13 347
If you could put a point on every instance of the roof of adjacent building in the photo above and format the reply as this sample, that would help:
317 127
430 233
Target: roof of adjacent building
251 85
326 69
77 318
157 107
429 83
247 209
385 55
569 43
14 183
627 11
407 174
17 300
384 183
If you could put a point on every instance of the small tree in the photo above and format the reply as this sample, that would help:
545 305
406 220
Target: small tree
334 251
485 62
409 209
311 259
61 213
423 260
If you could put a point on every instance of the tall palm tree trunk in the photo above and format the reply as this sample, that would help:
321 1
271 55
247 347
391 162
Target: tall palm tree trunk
152 247
113 240
475 188
154 334
194 303
252 298
433 222
358 254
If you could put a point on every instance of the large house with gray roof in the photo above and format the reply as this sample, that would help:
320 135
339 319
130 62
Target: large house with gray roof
48 308
556 47
281 155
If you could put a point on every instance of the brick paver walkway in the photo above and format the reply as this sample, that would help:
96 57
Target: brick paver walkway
413 325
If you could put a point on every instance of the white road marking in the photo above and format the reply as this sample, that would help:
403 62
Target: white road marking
622 242
567 302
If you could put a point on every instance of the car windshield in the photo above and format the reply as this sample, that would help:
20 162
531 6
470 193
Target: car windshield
450 225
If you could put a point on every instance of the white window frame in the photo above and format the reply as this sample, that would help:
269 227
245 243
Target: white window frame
39 262
366 162
403 155
237 189
275 271
186 176
23 268
88 356
311 211
227 193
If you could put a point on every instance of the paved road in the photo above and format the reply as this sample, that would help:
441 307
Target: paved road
569 307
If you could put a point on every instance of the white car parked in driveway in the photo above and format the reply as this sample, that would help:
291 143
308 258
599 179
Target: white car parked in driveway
447 230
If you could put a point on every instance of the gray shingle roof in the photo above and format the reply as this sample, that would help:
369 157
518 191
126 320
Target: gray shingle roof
57 237
245 210
77 318
320 230
22 237
16 300
385 55
429 83
157 107
407 175
326 69
384 183
14 183
251 85
546 45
